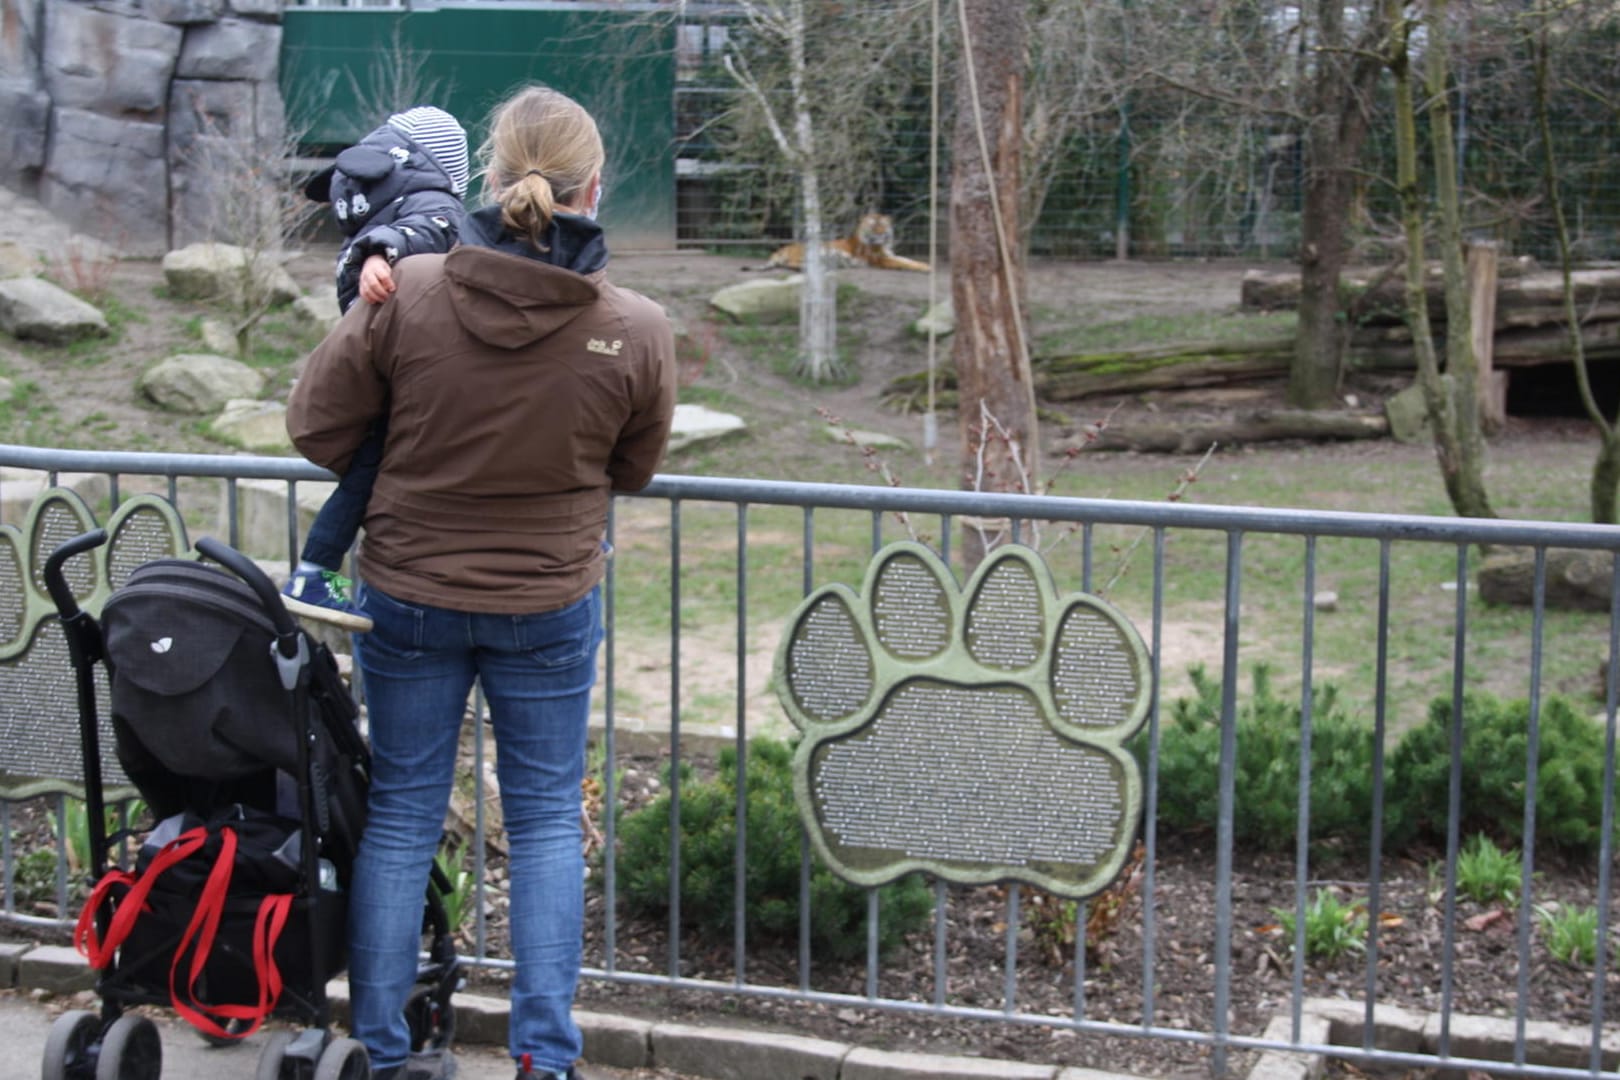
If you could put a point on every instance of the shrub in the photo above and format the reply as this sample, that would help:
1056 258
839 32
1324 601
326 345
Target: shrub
1267 780
707 863
1496 733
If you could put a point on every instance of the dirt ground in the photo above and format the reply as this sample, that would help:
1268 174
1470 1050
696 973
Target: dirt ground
86 397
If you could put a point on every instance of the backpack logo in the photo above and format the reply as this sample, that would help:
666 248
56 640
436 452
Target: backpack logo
163 644
606 348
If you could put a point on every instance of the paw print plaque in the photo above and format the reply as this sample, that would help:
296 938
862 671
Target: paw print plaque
40 749
976 734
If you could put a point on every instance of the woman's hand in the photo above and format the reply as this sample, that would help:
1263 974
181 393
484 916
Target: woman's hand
376 279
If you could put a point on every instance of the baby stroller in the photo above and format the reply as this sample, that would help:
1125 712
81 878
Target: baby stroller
237 731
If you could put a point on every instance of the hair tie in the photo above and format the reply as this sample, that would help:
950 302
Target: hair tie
537 172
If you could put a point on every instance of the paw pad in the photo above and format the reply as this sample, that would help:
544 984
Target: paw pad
39 710
976 734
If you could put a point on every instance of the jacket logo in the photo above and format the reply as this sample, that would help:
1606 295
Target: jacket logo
162 645
606 348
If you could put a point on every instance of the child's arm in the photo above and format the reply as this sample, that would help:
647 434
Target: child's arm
428 222
376 279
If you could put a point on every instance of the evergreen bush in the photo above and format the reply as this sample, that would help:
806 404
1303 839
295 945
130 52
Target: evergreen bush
1495 757
708 866
1267 779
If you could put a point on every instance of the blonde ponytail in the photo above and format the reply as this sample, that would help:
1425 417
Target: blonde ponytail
542 151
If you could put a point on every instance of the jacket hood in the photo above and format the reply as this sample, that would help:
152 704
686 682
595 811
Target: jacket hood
509 301
573 242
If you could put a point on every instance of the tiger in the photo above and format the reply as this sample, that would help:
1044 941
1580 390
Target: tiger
872 245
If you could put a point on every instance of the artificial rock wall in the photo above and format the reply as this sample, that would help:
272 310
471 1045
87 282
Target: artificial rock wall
103 104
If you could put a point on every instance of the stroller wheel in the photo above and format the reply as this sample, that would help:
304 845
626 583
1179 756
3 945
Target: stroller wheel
343 1059
273 1054
431 1027
131 1050
69 1049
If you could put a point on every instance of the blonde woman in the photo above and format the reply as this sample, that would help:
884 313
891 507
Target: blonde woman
520 389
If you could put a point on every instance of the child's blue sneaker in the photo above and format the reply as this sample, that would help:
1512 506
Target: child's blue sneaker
323 595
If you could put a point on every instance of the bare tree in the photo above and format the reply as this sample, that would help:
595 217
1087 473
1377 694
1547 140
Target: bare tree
1460 463
237 185
1606 467
396 79
990 350
816 76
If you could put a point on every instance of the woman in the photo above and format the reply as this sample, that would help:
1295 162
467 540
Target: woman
520 389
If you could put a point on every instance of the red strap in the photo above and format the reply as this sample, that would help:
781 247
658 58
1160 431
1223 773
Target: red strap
267 927
86 937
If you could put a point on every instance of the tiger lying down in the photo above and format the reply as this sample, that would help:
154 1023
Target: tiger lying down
872 245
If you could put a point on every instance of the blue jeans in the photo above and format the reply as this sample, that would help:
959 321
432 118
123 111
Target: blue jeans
537 671
338 521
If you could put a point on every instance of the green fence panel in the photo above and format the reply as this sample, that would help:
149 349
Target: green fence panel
341 70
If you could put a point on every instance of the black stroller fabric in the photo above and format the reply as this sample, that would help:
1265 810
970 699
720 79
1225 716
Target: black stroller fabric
200 716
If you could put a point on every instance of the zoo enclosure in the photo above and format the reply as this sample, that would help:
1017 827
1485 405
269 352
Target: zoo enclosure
672 531
1153 168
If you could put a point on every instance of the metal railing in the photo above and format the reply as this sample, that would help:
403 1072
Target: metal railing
692 551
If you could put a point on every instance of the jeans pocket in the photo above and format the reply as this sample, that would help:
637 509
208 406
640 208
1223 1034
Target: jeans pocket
565 637
396 626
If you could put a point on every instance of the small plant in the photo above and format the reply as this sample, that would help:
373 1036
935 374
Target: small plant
75 820
83 267
1332 928
451 860
1570 933
1486 874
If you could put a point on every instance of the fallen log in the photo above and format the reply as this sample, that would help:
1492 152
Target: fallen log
1523 299
1263 425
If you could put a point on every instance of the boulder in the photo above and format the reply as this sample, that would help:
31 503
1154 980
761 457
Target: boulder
875 439
106 62
695 424
37 310
214 271
941 319
217 337
261 515
1576 580
256 9
761 300
260 426
86 151
17 261
198 382
1408 414
320 310
236 49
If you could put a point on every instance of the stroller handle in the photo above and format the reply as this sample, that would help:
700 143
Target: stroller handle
265 589
67 605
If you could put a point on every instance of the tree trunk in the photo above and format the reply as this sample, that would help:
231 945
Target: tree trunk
818 307
1468 490
1336 126
1000 439
1316 425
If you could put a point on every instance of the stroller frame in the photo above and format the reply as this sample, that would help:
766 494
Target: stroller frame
85 1045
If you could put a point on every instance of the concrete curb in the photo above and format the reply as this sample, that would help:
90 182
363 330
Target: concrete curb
718 1053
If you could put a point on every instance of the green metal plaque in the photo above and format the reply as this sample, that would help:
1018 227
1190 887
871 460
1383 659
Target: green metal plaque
976 734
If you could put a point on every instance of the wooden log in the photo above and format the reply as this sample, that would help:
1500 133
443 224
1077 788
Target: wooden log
1259 426
1540 292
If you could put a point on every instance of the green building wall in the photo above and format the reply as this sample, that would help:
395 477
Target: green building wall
336 72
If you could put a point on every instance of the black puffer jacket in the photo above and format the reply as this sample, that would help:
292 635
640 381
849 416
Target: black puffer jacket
391 198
